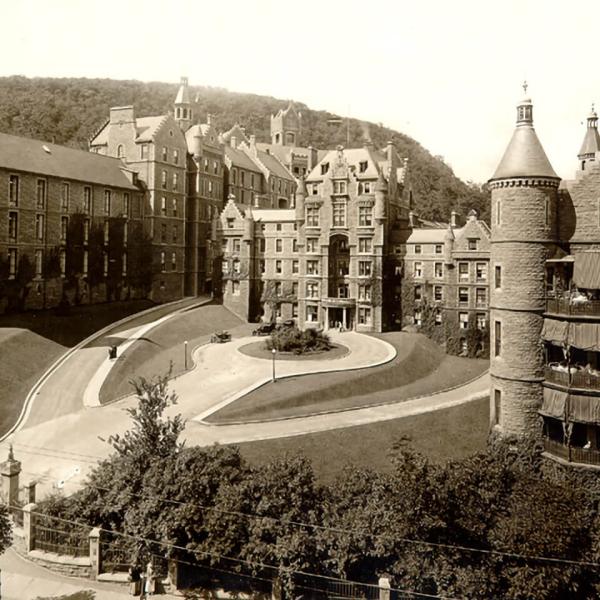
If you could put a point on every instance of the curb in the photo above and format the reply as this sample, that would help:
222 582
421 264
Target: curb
25 410
348 409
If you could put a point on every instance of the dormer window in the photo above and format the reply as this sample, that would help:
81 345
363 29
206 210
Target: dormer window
362 166
324 168
473 243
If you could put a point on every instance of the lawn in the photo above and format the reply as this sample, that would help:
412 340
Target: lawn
30 342
420 368
451 433
260 350
163 345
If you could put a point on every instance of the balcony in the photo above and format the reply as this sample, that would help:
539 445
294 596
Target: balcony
585 456
565 306
576 378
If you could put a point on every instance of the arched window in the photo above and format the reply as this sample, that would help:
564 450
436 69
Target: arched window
120 151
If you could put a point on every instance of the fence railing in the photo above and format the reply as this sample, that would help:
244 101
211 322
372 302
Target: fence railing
563 306
580 378
586 456
50 536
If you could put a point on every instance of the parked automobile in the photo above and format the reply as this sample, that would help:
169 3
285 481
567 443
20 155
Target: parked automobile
287 323
220 337
264 329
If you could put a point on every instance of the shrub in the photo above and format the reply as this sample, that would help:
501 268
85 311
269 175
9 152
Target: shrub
292 339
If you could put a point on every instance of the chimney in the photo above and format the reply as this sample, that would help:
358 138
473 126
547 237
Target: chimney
454 219
233 141
412 220
253 144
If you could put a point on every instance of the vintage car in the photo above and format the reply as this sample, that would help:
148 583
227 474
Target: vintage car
264 329
220 337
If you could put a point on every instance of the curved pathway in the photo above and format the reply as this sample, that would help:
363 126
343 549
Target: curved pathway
59 449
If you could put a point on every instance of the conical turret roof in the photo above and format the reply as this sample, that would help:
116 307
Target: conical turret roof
591 141
524 156
183 94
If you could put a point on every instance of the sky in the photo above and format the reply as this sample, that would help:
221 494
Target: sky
448 74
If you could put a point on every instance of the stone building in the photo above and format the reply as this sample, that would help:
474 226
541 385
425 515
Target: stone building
46 189
545 305
323 262
448 268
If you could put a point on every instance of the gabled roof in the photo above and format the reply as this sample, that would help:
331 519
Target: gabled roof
274 215
146 127
237 132
274 166
239 158
430 236
353 157
42 158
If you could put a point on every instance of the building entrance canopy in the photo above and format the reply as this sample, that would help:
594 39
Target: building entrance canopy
585 336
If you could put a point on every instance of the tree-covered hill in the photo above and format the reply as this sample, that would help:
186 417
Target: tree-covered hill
68 111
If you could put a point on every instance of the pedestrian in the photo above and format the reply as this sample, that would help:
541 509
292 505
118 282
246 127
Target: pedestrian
133 577
149 584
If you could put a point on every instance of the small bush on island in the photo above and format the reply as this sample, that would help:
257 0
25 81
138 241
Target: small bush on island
292 339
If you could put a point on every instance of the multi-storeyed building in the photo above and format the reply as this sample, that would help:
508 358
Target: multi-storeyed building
282 231
545 309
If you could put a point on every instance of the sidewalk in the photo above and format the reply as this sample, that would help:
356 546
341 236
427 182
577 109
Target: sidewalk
23 580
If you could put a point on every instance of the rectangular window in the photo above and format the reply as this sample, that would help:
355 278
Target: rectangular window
163 206
418 294
278 268
547 211
365 216
311 244
364 268
163 262
230 222
176 157
438 293
105 268
174 232
498 277
364 292
340 187
107 199
85 262
339 213
364 245
13 226
242 178
463 320
438 316
173 261
438 270
498 215
13 190
343 290
39 263
278 227
262 266
64 199
165 154
473 243
312 216
312 313
497 338
418 270
294 245
438 248
124 264
295 265
64 225
86 231
163 180
106 232
295 310
41 193
278 245
261 244
163 233
417 317
39 227
12 262
225 266
237 244
362 166
463 296
312 290
481 271
143 151
175 181
418 249
364 315
62 259
87 200
481 297
312 267
126 204
497 406
481 321
463 271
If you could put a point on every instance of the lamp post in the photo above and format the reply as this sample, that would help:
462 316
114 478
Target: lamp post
273 353
185 346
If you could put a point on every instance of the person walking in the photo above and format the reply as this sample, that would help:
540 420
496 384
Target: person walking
149 583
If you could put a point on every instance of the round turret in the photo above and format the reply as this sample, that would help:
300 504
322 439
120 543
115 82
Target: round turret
524 205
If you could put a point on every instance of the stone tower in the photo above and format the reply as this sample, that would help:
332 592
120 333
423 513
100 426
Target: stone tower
285 126
591 141
183 106
524 208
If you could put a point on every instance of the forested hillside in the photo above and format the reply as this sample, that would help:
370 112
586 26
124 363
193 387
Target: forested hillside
68 111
